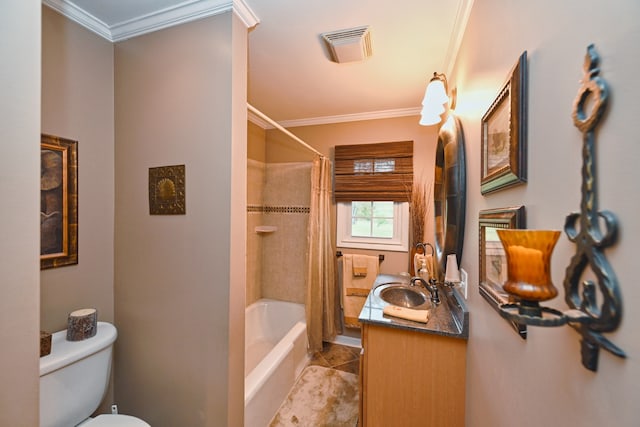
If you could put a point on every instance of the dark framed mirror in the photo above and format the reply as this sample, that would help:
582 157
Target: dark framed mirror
449 193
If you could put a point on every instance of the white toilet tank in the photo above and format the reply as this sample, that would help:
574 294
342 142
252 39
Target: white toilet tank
75 376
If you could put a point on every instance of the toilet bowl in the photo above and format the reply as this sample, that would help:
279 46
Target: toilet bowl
73 381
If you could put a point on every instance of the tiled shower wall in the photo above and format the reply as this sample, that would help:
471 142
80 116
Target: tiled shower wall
278 196
255 187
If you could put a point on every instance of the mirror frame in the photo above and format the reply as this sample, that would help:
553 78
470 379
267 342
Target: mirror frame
449 193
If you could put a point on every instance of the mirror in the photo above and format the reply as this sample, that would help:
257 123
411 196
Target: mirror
449 193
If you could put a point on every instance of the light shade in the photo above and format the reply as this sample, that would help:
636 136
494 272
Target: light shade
431 112
434 101
436 91
429 119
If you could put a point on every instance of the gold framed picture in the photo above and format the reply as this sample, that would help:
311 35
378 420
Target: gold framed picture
167 190
58 202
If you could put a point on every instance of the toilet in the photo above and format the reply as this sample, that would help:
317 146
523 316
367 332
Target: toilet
74 380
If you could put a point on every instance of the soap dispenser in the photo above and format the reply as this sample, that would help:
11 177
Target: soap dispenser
423 271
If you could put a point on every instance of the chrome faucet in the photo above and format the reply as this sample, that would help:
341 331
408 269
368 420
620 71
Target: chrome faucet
431 286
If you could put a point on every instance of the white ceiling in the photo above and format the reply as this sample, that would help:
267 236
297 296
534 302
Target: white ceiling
291 78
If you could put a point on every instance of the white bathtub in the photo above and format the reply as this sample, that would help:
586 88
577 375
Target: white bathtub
275 354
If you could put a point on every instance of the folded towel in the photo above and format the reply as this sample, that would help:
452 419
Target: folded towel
417 262
357 292
430 266
356 288
360 265
421 316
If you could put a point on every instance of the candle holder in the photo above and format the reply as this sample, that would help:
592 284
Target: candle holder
528 254
595 306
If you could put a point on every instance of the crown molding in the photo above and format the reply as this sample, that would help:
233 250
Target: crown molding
457 33
370 115
245 13
79 16
327 120
253 117
163 18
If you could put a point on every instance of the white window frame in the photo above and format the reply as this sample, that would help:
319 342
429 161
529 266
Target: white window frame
398 243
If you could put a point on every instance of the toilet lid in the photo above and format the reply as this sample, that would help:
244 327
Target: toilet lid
109 420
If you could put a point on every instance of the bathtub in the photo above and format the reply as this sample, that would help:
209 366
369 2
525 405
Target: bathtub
275 354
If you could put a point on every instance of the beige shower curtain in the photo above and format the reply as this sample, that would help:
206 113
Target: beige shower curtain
321 303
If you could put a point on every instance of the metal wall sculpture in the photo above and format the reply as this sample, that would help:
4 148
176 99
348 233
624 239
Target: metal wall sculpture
583 228
595 306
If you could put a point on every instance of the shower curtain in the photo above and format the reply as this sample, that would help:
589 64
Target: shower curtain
321 305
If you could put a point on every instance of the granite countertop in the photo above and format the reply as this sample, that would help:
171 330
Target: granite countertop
449 318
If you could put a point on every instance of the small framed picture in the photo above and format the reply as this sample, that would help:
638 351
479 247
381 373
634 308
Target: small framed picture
504 133
167 190
493 260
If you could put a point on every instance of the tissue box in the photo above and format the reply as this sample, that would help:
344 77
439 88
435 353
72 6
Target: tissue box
45 343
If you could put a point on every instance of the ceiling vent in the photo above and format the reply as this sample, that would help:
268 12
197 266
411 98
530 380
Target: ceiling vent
349 45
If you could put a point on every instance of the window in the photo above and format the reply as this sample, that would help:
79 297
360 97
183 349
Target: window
369 172
379 225
372 219
373 185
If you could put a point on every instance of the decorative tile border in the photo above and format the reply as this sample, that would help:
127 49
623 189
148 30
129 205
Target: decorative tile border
278 209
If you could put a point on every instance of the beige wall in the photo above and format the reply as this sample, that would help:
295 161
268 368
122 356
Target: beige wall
324 137
77 103
256 142
19 186
238 238
179 280
541 381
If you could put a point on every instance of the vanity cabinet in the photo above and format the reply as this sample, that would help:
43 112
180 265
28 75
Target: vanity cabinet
410 378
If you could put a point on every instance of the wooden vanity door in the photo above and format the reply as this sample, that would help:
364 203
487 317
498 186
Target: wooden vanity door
412 379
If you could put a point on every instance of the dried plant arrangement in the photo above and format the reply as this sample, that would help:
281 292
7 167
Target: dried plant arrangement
419 208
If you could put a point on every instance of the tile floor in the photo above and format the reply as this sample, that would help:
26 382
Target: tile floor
337 356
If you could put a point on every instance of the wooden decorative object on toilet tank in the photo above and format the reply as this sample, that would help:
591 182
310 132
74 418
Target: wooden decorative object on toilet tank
45 343
82 324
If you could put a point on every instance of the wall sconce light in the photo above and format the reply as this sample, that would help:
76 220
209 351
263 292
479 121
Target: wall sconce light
436 101
595 306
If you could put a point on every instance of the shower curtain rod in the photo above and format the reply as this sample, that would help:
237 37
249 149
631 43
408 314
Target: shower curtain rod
282 129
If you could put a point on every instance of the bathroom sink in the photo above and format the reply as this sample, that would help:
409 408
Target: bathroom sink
402 296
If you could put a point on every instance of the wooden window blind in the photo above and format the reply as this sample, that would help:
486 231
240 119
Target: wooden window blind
377 172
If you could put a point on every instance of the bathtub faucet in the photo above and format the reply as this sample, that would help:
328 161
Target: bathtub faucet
431 286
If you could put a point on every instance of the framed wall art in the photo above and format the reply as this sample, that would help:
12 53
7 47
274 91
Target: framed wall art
493 261
504 133
58 202
167 190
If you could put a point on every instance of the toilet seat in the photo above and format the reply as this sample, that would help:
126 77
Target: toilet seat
117 420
